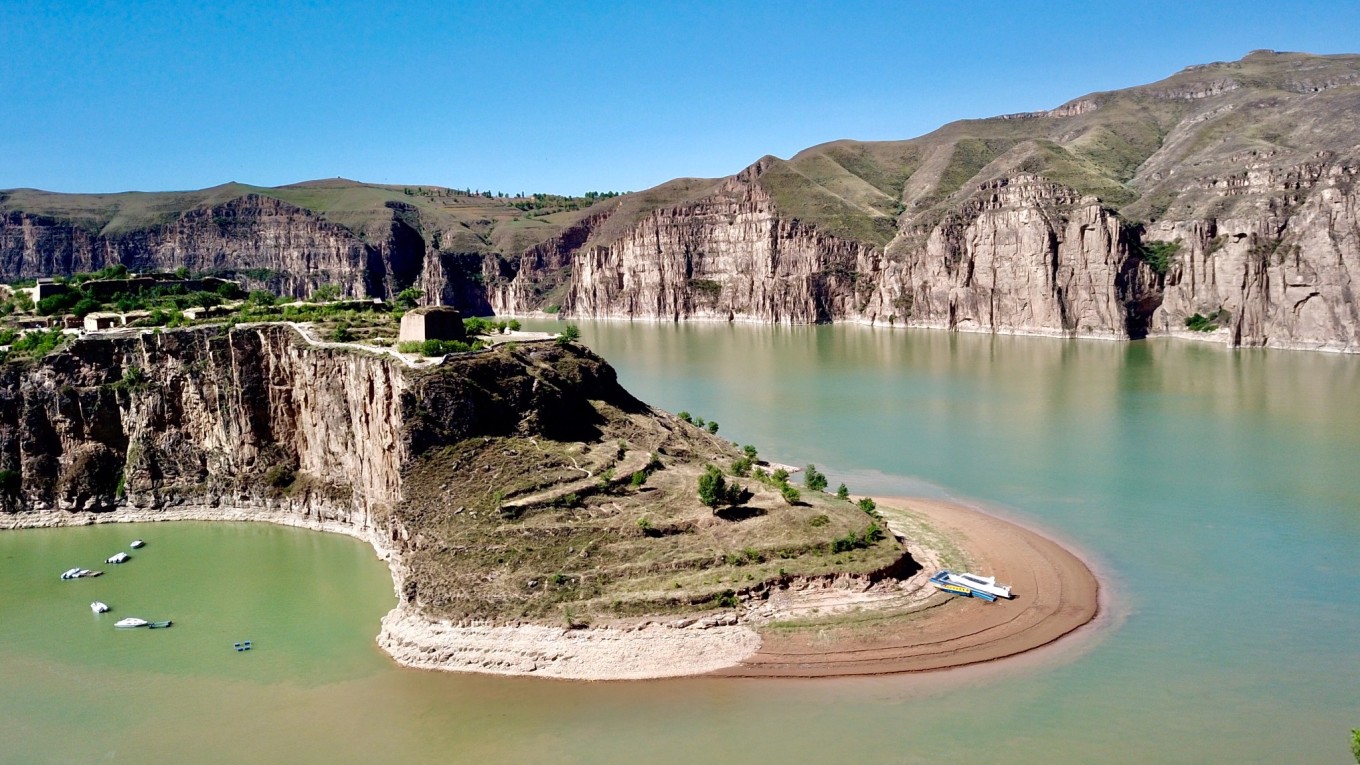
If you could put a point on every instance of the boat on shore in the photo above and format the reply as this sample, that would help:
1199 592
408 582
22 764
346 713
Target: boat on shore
79 573
131 622
121 557
971 585
99 607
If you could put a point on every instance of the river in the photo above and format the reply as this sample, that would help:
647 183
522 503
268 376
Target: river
1216 492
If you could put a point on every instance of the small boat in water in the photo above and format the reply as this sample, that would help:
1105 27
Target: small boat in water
99 607
136 543
160 625
131 621
79 573
121 557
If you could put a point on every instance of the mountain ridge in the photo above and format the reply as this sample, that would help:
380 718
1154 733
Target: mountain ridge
1225 170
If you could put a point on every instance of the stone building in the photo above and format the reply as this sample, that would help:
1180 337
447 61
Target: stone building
437 322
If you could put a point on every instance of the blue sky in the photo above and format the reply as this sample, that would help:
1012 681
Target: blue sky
560 97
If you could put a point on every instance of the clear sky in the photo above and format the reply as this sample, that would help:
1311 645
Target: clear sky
562 97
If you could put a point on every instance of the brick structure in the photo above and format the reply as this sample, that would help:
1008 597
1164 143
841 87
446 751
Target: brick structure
432 323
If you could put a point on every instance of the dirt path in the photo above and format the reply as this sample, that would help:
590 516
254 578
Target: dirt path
1055 593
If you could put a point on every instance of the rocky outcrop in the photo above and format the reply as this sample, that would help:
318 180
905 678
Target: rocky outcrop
728 257
259 417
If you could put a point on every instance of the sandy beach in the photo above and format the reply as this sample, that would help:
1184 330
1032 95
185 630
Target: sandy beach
1055 594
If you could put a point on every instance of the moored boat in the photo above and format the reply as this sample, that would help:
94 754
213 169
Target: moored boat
121 557
99 607
130 622
136 543
79 573
981 583
160 625
970 585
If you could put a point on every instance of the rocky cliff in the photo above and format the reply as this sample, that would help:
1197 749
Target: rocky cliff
1226 191
259 417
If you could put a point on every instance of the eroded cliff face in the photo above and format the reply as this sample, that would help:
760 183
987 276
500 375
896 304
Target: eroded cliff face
1022 255
1271 253
263 241
256 417
1279 269
728 257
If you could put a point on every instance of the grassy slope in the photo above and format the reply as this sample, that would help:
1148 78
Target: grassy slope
513 527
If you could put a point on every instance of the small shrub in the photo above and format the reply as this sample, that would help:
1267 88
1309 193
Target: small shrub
1158 255
728 599
713 427
813 479
842 492
569 334
644 525
869 506
552 309
780 476
342 334
653 463
790 494
638 479
685 416
280 476
750 452
818 521
741 467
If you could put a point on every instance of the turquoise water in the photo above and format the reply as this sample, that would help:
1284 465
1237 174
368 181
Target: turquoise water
1216 491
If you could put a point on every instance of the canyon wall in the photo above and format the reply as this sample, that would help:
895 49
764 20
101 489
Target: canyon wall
257 417
263 241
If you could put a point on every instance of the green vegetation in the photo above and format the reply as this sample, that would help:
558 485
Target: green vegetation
842 492
852 541
1159 255
715 492
570 334
869 506
483 326
439 347
790 494
813 479
1355 744
741 466
1201 323
36 344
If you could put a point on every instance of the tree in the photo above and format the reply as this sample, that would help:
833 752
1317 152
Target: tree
712 487
868 506
842 492
790 494
716 492
781 476
407 299
325 293
749 451
1355 743
814 480
713 427
685 416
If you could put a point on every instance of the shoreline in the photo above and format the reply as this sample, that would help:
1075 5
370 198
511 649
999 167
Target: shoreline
1056 594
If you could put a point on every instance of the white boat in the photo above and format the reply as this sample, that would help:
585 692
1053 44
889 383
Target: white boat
131 621
79 573
986 584
121 557
99 607
136 543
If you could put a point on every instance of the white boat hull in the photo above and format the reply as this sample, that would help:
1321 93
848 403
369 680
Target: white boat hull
99 607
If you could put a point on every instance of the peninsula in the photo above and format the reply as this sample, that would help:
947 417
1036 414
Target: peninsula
536 518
